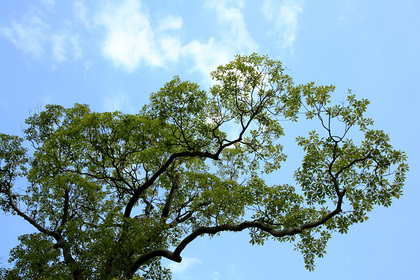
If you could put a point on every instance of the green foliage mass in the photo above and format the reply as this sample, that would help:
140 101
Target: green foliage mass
111 194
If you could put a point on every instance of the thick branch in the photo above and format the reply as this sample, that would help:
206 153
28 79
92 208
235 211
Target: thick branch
176 254
170 198
152 254
257 224
161 170
65 210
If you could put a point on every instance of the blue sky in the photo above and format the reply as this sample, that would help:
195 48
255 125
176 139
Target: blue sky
113 54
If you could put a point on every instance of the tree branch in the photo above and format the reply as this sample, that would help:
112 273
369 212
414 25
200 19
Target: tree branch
135 197
176 254
61 242
65 210
169 199
160 171
13 205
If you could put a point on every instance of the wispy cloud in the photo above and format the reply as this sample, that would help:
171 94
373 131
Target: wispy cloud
48 2
80 12
229 16
179 268
235 38
348 11
61 43
284 14
215 276
27 34
130 39
59 52
117 102
232 275
133 39
34 36
207 56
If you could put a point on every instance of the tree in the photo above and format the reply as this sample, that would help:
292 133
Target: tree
111 194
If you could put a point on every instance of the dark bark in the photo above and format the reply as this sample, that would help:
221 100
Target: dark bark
176 254
171 195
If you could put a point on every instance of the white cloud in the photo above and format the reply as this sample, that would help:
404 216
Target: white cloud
178 268
117 102
170 48
59 52
215 276
74 42
133 39
207 56
81 14
170 23
348 11
46 100
130 39
235 39
231 18
285 16
28 35
88 64
233 273
32 35
48 3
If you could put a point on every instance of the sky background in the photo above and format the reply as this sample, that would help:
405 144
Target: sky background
113 54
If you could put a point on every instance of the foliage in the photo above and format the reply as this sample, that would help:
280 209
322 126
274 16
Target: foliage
111 194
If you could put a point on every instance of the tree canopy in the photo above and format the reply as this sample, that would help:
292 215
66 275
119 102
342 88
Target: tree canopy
110 194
